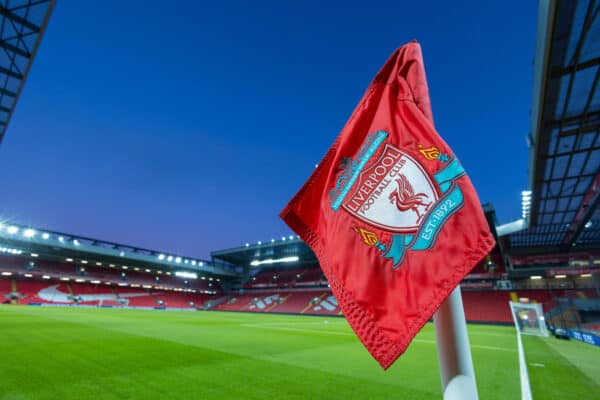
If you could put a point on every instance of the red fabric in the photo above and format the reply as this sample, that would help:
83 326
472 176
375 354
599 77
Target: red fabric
388 300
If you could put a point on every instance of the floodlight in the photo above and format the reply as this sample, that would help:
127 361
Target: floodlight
535 277
170 258
45 236
12 230
76 242
29 233
45 277
27 275
6 273
178 260
69 260
194 262
255 263
35 255
183 274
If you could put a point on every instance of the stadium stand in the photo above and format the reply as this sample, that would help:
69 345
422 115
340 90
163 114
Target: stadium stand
51 291
286 278
58 270
484 306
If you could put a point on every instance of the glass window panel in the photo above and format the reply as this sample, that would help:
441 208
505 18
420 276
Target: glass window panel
562 95
583 185
591 45
554 188
580 91
560 164
550 206
593 163
553 138
563 202
575 202
577 164
577 26
587 139
565 144
548 166
569 186
557 219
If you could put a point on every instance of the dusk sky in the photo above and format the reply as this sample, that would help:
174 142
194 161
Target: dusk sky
186 127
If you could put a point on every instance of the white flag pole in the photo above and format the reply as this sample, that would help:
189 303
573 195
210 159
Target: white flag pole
454 352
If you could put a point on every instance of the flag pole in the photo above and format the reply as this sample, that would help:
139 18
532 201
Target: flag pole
454 352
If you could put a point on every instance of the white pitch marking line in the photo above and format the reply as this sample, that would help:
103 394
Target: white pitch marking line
261 326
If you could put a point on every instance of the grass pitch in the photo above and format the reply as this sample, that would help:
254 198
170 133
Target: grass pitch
70 353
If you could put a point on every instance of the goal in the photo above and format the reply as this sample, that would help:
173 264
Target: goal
529 318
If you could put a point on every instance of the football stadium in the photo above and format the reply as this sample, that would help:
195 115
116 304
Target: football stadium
92 318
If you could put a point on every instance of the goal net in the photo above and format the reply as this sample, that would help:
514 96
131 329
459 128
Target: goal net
529 318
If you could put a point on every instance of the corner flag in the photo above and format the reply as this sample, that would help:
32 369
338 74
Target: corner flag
390 212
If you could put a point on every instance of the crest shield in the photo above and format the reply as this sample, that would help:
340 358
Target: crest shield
394 193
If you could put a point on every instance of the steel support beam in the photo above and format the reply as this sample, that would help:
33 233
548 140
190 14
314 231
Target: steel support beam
7 13
586 209
14 49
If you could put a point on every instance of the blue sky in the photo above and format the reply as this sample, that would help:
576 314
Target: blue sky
186 127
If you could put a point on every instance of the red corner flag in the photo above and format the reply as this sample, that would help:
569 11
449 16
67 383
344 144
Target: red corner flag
390 213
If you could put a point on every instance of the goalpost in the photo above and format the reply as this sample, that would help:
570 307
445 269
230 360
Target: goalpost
529 318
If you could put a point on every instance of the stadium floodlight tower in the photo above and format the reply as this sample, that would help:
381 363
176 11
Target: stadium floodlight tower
529 318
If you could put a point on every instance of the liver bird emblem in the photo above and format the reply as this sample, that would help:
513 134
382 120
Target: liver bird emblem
405 199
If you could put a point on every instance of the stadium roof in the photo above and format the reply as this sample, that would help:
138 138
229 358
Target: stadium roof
22 25
564 139
291 251
18 239
276 253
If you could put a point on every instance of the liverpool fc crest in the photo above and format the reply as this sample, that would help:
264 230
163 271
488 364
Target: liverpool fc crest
393 192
